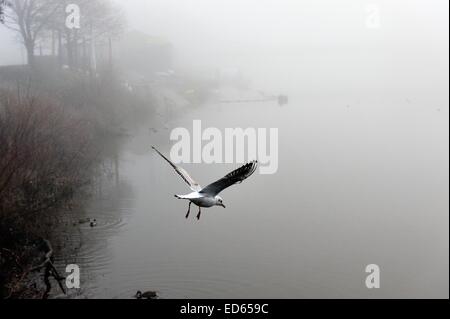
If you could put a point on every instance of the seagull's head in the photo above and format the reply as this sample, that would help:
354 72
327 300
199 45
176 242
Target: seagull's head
219 201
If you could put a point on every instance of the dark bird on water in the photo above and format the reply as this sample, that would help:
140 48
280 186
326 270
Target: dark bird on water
146 295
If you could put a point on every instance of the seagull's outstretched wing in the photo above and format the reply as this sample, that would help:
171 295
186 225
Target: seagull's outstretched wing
184 175
236 176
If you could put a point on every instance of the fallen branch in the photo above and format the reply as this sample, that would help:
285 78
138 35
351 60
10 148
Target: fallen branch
50 271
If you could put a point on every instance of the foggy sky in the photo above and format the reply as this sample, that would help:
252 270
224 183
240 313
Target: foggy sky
273 41
234 27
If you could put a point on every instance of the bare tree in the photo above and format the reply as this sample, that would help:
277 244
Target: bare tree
36 20
3 4
30 18
101 21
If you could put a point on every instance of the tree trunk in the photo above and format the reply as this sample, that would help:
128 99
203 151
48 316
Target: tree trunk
75 49
85 60
60 50
69 49
53 44
110 53
29 45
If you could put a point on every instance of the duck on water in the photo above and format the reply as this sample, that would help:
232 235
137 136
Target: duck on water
146 295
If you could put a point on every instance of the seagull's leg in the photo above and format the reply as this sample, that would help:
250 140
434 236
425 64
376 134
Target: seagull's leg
189 209
199 212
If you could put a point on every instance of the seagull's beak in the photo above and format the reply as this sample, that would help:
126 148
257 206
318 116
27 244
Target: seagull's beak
222 205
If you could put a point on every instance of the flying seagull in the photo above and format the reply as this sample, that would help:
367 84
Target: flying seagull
209 196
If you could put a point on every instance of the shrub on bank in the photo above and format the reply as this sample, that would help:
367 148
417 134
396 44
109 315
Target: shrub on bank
46 154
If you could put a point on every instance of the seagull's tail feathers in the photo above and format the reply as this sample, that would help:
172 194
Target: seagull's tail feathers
180 196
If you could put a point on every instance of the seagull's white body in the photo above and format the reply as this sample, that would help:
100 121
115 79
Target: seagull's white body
199 199
208 196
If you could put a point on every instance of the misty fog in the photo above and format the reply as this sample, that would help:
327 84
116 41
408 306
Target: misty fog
362 151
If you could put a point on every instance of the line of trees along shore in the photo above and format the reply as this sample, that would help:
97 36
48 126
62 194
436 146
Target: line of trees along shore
41 25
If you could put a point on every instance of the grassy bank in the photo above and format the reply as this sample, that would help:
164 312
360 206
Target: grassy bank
54 137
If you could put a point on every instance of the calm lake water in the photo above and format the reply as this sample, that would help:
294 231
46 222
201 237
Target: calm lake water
358 182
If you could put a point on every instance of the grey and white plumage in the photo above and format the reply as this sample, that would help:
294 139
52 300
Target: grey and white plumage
209 196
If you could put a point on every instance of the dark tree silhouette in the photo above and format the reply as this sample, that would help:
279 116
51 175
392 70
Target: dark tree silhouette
30 18
3 3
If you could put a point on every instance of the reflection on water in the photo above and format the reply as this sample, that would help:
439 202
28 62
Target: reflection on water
356 184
